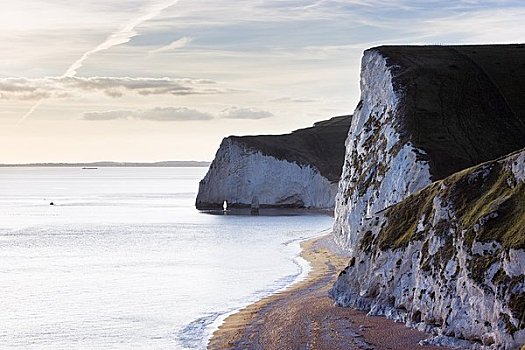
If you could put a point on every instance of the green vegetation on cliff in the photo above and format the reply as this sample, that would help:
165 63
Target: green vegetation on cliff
486 203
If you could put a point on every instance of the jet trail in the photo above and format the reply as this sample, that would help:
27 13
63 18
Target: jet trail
31 110
121 36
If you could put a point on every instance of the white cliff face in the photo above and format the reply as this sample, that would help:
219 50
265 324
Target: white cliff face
240 175
451 271
446 257
380 168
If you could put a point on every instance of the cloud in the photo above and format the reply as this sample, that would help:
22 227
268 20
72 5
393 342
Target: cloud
177 44
62 87
483 26
121 36
167 114
276 46
293 100
160 114
108 115
245 113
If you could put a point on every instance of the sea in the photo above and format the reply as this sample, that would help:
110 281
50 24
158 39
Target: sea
123 260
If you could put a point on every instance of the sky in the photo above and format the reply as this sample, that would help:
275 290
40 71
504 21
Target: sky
151 80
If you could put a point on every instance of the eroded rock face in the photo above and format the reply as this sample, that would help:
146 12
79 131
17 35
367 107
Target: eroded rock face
297 170
381 168
449 259
437 254
425 113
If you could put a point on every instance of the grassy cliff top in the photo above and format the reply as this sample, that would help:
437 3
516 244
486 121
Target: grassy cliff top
322 145
462 105
487 200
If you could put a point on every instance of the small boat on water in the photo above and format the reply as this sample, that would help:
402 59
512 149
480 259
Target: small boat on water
89 168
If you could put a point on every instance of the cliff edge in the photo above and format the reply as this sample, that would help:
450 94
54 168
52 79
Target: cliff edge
296 170
436 239
425 113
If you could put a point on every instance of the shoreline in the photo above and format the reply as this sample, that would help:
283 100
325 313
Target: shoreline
305 267
303 264
302 315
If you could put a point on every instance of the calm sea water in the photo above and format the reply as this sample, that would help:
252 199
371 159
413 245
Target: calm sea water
123 260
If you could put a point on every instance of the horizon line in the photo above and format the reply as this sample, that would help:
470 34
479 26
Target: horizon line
165 163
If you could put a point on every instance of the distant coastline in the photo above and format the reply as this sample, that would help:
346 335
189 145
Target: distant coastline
166 164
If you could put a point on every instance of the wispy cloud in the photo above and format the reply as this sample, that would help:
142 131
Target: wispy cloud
121 36
245 113
62 87
160 114
177 44
273 48
176 114
482 26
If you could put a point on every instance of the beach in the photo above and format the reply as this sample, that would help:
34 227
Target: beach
304 317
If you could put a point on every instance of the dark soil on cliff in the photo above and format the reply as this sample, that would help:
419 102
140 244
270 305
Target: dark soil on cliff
322 145
462 105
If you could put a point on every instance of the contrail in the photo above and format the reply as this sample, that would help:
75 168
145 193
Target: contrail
31 110
121 36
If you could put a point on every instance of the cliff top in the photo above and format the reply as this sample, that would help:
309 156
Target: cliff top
321 145
462 105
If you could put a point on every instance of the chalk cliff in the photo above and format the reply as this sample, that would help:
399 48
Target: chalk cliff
443 255
449 259
296 170
425 113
